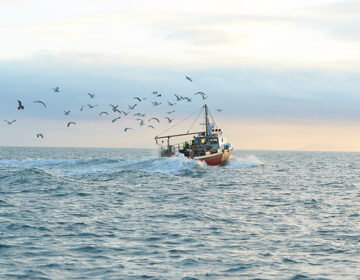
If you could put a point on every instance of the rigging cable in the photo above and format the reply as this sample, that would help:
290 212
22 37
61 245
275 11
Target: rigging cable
178 122
194 121
212 119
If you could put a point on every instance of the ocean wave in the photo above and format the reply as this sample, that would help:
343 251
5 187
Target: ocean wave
243 162
89 166
179 165
174 165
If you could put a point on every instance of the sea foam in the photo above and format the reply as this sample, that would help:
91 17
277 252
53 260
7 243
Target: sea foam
243 162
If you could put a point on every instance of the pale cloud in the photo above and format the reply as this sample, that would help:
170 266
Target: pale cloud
285 32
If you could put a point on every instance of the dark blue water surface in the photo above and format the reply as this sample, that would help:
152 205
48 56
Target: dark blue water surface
68 213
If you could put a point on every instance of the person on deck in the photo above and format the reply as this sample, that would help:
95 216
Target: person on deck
186 146
186 149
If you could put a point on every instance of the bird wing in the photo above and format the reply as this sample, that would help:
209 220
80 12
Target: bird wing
41 102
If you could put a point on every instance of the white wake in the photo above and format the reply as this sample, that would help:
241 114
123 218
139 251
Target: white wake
243 162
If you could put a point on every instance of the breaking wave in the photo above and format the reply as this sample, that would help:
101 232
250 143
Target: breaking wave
243 162
87 166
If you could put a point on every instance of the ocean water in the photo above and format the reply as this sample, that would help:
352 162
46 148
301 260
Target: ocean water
69 213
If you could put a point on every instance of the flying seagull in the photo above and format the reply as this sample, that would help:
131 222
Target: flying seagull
156 119
188 99
127 128
141 122
114 107
39 135
138 98
56 89
132 107
169 120
125 114
106 113
20 107
171 104
155 92
82 107
66 113
9 123
219 110
203 95
92 106
91 95
151 126
114 120
156 103
69 123
170 112
41 102
188 78
177 97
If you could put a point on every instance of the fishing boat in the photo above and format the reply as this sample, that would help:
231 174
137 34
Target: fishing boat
210 145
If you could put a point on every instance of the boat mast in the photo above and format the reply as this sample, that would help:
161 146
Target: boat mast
206 121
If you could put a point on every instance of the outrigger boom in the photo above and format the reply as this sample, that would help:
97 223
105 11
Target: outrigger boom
175 135
170 150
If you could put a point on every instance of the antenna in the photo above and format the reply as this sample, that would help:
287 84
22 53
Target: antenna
206 121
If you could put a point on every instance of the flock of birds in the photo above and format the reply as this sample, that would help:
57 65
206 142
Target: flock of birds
122 113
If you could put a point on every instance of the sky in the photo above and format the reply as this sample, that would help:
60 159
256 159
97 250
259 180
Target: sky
285 72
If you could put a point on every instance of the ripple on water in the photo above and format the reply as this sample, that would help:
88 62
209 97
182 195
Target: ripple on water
115 214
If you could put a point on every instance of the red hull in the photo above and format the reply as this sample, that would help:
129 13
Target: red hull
216 159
